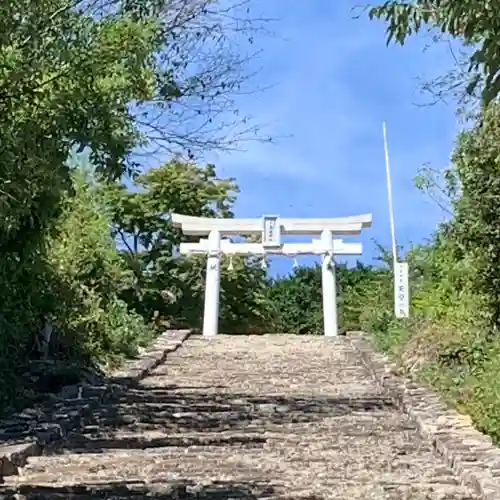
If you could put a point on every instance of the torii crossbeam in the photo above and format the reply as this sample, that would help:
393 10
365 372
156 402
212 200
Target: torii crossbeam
271 228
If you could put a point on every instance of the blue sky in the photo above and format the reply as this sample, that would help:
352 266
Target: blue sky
334 82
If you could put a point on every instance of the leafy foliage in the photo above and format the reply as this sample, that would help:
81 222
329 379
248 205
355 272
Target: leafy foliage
163 285
474 22
72 282
296 299
100 77
297 302
477 211
96 320
65 82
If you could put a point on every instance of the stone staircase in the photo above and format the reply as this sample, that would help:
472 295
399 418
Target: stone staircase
244 417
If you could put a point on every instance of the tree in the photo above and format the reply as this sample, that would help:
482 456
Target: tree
297 302
475 22
142 225
441 186
88 312
475 227
205 48
170 287
66 83
107 77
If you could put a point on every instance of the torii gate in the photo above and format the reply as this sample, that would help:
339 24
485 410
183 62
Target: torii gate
270 227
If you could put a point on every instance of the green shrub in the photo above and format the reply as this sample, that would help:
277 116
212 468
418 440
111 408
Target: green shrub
84 253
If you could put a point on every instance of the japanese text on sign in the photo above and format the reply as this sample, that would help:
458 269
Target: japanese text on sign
271 236
401 290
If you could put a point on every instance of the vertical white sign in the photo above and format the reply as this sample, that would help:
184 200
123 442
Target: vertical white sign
401 290
271 232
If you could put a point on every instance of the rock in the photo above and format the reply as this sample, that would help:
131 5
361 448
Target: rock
15 456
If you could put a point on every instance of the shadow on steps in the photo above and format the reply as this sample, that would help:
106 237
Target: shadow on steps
180 490
128 421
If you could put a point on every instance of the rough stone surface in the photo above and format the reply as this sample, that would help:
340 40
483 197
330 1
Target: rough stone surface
248 417
469 453
29 432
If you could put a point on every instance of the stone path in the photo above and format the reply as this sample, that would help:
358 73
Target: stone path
262 417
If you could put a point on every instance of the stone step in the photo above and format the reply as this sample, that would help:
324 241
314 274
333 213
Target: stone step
225 490
199 465
245 418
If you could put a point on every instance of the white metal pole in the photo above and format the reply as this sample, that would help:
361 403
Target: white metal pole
399 270
389 201
212 286
330 322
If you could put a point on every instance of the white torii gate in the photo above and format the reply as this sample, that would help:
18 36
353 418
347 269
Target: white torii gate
270 227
